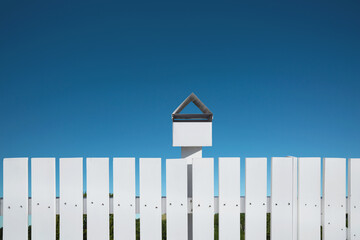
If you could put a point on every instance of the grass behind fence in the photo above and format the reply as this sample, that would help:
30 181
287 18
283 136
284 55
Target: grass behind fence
216 227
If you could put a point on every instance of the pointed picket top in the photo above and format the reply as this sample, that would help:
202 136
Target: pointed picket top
206 115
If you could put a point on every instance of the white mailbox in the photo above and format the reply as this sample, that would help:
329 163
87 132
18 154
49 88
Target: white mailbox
192 130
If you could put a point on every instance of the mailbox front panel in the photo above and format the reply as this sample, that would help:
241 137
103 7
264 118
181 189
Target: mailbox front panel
192 134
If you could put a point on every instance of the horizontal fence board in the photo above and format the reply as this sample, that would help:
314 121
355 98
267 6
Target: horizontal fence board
150 194
309 193
229 198
176 191
203 198
256 200
124 198
43 199
71 198
97 198
163 205
137 205
281 206
15 222
334 199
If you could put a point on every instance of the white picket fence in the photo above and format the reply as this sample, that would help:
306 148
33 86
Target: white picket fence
297 209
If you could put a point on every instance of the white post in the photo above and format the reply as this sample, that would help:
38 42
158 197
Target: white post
191 132
190 153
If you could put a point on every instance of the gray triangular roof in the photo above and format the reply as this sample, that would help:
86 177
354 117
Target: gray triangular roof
206 115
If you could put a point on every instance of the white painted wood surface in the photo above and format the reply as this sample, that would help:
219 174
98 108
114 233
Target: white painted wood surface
309 193
354 199
334 194
294 198
203 198
282 194
306 217
71 198
192 134
176 191
255 198
229 198
43 199
97 198
150 198
124 198
15 207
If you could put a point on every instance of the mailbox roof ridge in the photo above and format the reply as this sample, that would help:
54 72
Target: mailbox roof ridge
193 98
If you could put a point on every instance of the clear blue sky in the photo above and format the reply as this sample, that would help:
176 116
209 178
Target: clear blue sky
101 79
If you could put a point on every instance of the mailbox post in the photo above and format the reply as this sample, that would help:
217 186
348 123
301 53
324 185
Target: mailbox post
191 132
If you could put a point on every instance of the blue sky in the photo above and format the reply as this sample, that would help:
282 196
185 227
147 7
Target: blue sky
101 79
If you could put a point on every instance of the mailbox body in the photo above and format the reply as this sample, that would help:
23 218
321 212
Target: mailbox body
192 134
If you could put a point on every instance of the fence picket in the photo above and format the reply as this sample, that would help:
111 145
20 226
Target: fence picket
15 207
281 201
176 198
97 198
229 198
334 199
43 199
309 190
203 198
354 198
150 198
255 198
71 198
124 198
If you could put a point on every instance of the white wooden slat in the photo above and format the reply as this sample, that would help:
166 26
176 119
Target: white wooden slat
150 198
203 198
176 191
97 198
124 198
15 219
309 194
334 194
294 198
354 199
43 207
281 201
229 198
71 198
255 198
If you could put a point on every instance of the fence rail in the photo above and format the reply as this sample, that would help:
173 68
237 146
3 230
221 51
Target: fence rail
163 205
296 207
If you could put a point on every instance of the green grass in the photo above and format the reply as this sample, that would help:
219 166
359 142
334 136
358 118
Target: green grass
137 222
